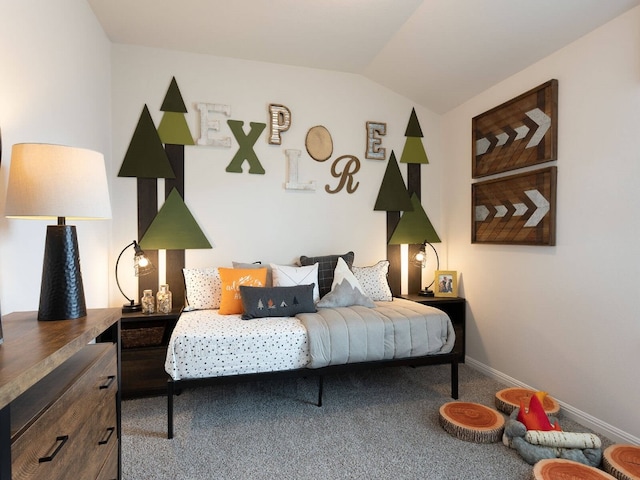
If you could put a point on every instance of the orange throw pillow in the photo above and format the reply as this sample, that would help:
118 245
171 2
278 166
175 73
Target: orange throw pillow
232 278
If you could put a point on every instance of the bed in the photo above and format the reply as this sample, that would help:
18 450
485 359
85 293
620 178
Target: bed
295 330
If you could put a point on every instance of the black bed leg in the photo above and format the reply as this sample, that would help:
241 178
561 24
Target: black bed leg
454 379
320 386
170 409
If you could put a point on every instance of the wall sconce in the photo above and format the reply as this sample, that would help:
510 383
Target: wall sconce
58 182
141 266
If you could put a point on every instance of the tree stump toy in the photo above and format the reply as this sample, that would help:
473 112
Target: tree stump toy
622 461
471 422
561 469
508 400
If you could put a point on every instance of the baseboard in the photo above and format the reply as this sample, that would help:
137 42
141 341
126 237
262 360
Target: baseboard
589 421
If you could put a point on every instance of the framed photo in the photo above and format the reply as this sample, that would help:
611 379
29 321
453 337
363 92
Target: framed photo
519 133
446 283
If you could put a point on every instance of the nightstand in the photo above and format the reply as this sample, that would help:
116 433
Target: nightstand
456 308
144 339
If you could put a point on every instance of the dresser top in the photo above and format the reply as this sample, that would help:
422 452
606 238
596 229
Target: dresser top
32 348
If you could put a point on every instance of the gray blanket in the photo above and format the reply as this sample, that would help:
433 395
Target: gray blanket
397 329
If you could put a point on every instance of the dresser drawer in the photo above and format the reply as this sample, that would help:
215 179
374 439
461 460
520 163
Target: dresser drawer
109 470
59 438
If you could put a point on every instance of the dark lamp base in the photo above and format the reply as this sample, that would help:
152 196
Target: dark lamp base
61 291
426 293
131 307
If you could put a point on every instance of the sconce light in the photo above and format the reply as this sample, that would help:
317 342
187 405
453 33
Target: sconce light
58 182
142 266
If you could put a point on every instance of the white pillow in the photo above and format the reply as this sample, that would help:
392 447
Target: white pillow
290 276
203 288
373 280
345 289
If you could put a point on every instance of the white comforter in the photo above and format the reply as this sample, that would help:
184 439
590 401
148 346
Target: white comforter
207 344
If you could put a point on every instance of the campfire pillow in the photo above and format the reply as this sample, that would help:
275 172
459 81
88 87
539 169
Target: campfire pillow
374 281
290 275
326 267
346 290
203 288
232 278
276 301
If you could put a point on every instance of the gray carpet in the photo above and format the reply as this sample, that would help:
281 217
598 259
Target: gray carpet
377 424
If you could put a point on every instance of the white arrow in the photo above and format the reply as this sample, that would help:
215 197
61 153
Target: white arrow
501 211
542 209
482 145
521 209
482 213
544 122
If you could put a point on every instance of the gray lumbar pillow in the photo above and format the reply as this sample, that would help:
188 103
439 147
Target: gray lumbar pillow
260 302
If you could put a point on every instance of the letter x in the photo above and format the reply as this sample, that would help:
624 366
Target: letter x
245 149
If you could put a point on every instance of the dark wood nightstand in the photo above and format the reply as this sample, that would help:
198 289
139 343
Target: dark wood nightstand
456 308
144 340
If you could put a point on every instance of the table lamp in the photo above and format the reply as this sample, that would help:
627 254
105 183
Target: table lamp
58 182
141 266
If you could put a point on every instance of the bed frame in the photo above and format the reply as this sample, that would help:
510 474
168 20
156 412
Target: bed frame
174 387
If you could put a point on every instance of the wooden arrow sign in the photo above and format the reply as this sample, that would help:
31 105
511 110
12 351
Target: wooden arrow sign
518 209
518 133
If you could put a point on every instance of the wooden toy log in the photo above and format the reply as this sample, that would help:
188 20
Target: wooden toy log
558 468
622 461
508 400
471 422
554 438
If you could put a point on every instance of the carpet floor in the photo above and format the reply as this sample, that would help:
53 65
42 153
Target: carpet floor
374 424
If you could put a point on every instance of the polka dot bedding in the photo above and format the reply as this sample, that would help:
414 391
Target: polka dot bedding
206 344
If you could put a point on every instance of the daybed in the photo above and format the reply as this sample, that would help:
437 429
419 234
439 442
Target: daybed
300 329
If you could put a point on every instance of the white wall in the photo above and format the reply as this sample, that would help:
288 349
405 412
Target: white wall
54 88
250 217
564 319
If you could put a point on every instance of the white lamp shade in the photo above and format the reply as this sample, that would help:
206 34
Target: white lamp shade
50 181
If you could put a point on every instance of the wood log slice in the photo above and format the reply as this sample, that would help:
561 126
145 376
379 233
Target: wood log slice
508 400
472 422
319 143
561 469
622 461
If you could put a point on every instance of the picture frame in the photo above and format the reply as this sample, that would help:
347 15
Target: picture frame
518 133
445 283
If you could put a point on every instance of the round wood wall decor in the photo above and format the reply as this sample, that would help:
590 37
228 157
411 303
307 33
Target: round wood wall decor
319 143
622 461
472 422
508 400
561 469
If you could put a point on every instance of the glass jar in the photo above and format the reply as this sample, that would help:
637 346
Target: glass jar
148 302
164 300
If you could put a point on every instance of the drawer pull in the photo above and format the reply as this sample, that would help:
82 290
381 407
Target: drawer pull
109 381
62 440
110 431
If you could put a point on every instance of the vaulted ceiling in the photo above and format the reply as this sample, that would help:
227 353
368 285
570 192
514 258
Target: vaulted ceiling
437 53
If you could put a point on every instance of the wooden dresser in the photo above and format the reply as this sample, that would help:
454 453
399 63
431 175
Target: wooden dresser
60 397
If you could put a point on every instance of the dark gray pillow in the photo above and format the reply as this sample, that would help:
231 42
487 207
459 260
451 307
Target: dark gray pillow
326 267
260 302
